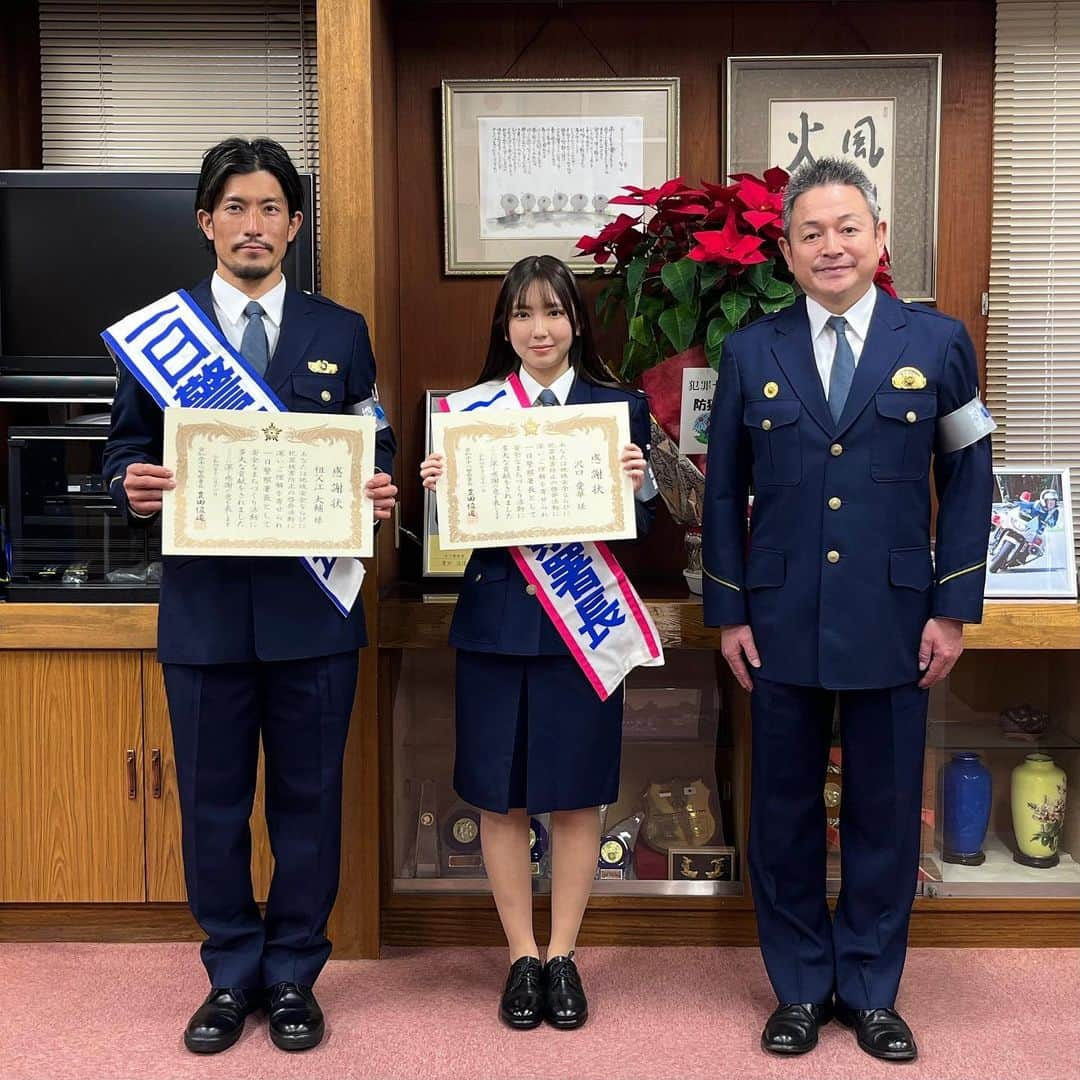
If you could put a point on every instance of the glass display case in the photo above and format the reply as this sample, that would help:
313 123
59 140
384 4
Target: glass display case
674 830
1003 743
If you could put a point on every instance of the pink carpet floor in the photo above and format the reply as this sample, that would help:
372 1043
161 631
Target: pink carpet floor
116 1012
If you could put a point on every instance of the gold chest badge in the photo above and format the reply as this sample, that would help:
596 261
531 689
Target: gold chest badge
322 367
909 378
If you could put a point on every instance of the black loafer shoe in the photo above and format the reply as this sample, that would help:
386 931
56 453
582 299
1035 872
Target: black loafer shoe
793 1029
219 1021
296 1021
565 1005
882 1033
522 1002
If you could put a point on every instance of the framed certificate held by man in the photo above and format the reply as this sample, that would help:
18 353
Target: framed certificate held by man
259 483
534 476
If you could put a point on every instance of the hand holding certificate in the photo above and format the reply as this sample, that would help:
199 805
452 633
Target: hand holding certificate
529 476
258 483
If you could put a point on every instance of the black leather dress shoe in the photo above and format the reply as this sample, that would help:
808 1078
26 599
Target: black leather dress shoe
219 1021
296 1021
882 1033
522 1002
793 1029
565 1005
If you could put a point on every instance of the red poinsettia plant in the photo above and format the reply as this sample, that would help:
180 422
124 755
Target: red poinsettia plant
694 264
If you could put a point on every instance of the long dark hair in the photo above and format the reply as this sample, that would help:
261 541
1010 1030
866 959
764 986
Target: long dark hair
555 279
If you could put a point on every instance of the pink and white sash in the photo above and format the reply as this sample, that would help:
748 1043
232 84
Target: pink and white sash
580 585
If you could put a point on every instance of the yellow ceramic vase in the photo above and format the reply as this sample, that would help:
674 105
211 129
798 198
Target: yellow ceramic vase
1038 810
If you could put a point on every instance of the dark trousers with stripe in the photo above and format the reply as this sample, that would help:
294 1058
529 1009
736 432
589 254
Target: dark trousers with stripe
301 710
859 953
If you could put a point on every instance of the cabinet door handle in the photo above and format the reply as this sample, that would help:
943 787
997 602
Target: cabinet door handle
155 772
132 774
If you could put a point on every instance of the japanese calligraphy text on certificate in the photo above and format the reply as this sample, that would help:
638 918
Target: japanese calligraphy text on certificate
533 476
258 483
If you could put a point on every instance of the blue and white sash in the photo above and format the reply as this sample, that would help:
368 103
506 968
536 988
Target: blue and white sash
581 586
181 358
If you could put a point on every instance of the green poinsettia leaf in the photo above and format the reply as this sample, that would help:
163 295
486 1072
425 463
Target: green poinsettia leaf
635 275
769 306
638 357
760 273
650 307
639 331
680 279
777 290
711 273
608 301
735 307
679 324
719 329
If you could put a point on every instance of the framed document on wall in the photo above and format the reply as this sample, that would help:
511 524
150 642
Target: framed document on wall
882 112
530 164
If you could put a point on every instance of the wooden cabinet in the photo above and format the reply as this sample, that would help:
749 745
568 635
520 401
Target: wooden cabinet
71 777
89 808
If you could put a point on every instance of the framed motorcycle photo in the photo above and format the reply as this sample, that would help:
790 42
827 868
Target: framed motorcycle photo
1031 553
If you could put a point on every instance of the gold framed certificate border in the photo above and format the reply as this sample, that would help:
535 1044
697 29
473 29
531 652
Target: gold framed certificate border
608 427
186 435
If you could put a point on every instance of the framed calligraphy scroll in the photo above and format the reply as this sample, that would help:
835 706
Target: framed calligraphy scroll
882 112
530 164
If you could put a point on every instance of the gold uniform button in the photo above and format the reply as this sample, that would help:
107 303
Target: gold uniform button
530 589
836 449
766 425
326 395
910 417
833 556
835 503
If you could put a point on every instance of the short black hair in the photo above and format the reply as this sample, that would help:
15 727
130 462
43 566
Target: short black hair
232 156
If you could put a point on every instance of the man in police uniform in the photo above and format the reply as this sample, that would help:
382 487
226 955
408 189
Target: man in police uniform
832 410
252 647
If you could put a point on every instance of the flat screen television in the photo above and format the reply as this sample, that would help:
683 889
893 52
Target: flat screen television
78 250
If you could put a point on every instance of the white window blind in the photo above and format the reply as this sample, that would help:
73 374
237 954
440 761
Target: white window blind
150 84
1033 338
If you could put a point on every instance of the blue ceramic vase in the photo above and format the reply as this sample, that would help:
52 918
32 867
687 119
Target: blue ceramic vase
965 810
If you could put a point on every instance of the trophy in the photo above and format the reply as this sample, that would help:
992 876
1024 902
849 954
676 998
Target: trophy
426 850
461 842
617 847
539 847
678 813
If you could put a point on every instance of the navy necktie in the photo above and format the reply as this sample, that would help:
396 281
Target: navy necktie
843 368
547 397
254 347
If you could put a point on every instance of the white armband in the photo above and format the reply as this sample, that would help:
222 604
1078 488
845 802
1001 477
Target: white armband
964 426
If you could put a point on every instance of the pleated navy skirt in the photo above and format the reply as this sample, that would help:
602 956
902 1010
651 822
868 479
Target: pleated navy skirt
532 733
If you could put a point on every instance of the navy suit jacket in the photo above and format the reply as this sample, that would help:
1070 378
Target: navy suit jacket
837 580
494 612
237 609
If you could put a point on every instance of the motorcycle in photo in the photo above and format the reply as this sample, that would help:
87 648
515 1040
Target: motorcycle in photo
1016 539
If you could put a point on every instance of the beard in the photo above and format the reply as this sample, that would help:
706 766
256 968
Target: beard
251 271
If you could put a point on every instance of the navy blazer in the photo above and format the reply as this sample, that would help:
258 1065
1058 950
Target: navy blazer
495 613
837 581
237 609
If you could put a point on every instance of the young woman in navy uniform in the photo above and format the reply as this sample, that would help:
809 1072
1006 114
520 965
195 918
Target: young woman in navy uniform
533 736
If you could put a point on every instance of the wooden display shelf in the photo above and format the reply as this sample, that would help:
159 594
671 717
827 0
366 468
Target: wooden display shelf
419 624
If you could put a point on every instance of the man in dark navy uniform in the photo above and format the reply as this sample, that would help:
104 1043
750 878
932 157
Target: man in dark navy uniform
832 411
253 647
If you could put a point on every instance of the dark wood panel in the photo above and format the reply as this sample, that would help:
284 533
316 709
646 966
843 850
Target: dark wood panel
20 87
445 321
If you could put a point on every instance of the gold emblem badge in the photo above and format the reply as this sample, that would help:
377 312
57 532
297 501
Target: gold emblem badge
771 390
909 378
272 432
322 367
